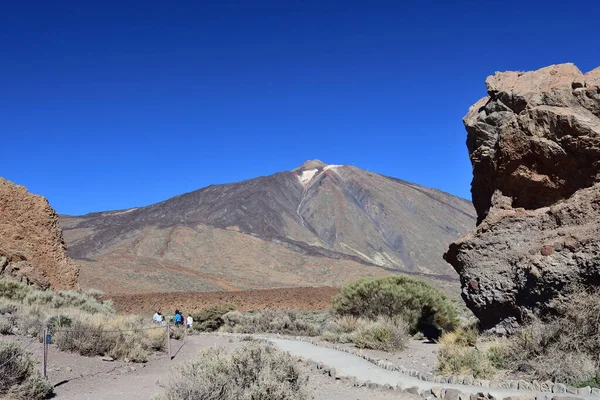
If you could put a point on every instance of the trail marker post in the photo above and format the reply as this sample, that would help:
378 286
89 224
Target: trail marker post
45 352
169 340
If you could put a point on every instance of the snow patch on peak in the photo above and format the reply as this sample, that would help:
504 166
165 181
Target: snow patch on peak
306 175
328 167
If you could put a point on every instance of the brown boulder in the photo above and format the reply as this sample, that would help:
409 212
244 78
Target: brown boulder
31 245
534 143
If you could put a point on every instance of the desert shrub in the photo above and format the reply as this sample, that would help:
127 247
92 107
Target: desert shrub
95 294
85 339
59 322
565 348
13 290
18 378
497 356
29 324
210 319
8 308
287 322
63 299
544 351
5 325
155 339
178 332
253 371
453 359
463 336
425 308
98 338
384 333
130 345
82 325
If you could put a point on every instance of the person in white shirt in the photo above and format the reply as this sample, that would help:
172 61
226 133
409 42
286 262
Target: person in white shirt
156 318
190 321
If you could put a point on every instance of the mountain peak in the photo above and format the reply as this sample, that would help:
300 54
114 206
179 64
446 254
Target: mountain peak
311 164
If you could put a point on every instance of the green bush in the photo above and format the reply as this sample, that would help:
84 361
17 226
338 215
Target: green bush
425 308
18 378
211 318
254 371
13 290
382 334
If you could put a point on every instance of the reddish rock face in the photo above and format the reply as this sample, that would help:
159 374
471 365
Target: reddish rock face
31 245
536 137
534 143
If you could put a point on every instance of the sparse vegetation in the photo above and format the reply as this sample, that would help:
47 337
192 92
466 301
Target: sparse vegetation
566 348
382 334
18 378
460 354
455 359
82 324
254 371
288 322
425 308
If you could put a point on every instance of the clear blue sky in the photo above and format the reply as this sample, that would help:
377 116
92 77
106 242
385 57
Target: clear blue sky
107 105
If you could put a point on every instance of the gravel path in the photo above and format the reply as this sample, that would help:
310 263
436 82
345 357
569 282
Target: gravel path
348 365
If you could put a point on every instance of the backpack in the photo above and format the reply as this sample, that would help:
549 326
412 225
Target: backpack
177 318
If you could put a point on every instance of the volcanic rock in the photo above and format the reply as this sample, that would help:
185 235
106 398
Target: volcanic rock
534 144
31 245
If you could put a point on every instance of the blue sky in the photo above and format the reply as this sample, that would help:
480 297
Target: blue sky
106 105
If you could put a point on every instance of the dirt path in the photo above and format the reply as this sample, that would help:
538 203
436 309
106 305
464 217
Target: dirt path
85 378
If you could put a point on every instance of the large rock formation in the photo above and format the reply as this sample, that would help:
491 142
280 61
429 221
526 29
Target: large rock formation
534 143
31 245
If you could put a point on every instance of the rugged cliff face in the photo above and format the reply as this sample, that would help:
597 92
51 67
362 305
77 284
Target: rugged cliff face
534 143
31 245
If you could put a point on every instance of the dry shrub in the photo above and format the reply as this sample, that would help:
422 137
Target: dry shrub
287 322
254 371
456 359
382 334
463 336
5 325
82 325
460 354
18 378
178 332
565 348
97 339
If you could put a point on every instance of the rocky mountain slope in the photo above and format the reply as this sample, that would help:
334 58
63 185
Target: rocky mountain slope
31 245
534 143
315 225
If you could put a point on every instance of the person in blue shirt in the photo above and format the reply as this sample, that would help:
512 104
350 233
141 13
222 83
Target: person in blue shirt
178 319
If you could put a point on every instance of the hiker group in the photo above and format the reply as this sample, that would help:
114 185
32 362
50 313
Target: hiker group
178 319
